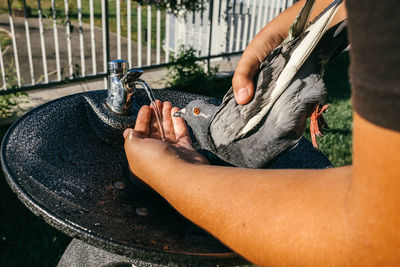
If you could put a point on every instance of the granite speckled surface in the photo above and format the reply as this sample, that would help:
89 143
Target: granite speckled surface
65 161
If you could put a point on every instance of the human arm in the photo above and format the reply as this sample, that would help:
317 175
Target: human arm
265 41
337 216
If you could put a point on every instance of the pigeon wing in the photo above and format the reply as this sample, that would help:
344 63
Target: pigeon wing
230 117
300 23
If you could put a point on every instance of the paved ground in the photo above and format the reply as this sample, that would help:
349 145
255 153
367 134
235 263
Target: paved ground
156 78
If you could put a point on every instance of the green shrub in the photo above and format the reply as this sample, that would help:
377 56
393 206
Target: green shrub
187 74
10 102
5 40
17 4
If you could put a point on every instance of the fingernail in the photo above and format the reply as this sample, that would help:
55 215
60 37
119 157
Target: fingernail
243 93
127 132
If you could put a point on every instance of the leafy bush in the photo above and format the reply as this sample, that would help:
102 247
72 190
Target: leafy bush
187 74
18 4
9 102
5 40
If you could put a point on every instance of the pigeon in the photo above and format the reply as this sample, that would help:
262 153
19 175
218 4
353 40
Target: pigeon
289 87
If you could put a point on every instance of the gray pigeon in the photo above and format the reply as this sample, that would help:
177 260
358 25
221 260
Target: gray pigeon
289 86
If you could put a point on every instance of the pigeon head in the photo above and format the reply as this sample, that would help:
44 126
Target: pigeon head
198 114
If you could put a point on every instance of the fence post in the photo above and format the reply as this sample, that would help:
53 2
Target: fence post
3 72
56 45
118 19
28 44
105 37
211 27
14 43
107 31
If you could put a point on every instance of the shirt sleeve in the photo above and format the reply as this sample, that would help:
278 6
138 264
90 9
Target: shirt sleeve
374 33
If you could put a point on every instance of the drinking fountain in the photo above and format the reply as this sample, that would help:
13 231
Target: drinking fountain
66 163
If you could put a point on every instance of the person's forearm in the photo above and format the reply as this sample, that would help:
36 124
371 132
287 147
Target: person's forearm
259 212
338 216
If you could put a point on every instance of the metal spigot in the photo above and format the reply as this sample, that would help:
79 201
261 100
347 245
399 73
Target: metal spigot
121 85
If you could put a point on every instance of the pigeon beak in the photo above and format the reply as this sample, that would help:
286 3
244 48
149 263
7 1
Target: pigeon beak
180 113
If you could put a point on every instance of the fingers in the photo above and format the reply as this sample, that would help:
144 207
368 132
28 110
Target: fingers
143 121
167 122
154 131
139 147
179 124
180 129
175 128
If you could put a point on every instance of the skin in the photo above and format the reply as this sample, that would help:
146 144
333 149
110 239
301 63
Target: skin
338 216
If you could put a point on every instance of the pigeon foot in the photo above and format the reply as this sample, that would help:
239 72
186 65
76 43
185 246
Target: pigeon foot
317 122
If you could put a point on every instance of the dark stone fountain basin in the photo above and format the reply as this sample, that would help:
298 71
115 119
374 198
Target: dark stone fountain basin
66 163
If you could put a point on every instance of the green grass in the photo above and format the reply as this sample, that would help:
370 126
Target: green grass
73 14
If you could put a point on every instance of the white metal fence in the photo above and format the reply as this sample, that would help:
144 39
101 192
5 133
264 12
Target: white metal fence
53 43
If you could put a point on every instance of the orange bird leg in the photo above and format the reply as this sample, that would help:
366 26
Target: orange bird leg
317 122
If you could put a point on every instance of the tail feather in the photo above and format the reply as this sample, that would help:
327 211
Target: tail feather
301 22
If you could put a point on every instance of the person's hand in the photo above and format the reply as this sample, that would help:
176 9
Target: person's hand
145 149
263 43
242 81
249 63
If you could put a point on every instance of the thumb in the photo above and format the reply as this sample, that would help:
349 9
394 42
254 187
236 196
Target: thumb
243 88
130 134
242 81
133 145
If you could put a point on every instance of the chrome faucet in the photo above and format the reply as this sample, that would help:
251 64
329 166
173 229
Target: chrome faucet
121 86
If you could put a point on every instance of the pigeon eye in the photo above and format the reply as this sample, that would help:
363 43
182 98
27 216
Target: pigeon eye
196 111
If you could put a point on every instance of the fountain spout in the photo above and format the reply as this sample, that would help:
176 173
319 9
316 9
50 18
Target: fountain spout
121 86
